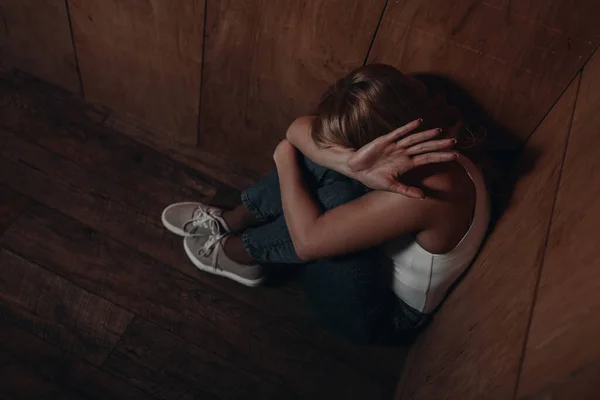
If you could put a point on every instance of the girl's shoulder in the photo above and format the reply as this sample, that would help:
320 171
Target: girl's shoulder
451 197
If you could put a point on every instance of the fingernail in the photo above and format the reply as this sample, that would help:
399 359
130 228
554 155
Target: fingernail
439 130
420 120
455 141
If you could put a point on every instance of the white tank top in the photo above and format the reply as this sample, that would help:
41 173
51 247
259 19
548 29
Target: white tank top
420 278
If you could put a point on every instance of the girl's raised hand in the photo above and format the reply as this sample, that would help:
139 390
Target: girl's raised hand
380 163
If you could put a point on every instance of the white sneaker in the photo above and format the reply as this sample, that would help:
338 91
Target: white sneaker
194 219
207 254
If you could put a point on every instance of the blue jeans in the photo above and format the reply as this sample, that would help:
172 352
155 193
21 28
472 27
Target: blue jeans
348 294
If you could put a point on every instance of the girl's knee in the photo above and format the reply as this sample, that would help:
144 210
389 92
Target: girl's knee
338 192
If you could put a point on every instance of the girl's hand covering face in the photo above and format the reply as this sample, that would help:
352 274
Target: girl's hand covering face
379 163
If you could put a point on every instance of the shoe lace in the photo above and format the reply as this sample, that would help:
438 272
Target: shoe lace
211 247
203 217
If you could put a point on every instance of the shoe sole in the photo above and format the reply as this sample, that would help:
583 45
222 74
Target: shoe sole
218 272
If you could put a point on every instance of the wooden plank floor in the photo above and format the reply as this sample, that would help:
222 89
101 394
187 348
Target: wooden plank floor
98 301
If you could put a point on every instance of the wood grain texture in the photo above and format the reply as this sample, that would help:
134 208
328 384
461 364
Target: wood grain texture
65 161
160 363
70 133
211 319
11 205
119 211
52 364
579 385
143 59
108 181
162 295
20 382
74 130
515 57
565 328
35 37
209 163
58 311
63 125
267 63
473 348
21 96
21 93
91 160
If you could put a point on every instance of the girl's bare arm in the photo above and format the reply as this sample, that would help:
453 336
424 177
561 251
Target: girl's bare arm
379 164
363 223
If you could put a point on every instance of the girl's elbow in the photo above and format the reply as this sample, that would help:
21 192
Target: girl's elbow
291 132
305 251
303 254
297 128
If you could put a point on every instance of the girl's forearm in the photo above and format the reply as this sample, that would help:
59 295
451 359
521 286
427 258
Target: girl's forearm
335 158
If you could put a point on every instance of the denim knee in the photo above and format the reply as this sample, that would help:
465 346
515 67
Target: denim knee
271 243
264 197
336 192
331 187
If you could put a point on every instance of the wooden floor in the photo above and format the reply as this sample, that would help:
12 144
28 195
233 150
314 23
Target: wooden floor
98 301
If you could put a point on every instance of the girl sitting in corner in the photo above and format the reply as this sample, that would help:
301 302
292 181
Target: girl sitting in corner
402 199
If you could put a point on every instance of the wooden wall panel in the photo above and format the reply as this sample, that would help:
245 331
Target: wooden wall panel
267 62
143 58
473 348
565 329
580 385
515 57
35 37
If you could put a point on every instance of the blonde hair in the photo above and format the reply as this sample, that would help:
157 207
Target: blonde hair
376 99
